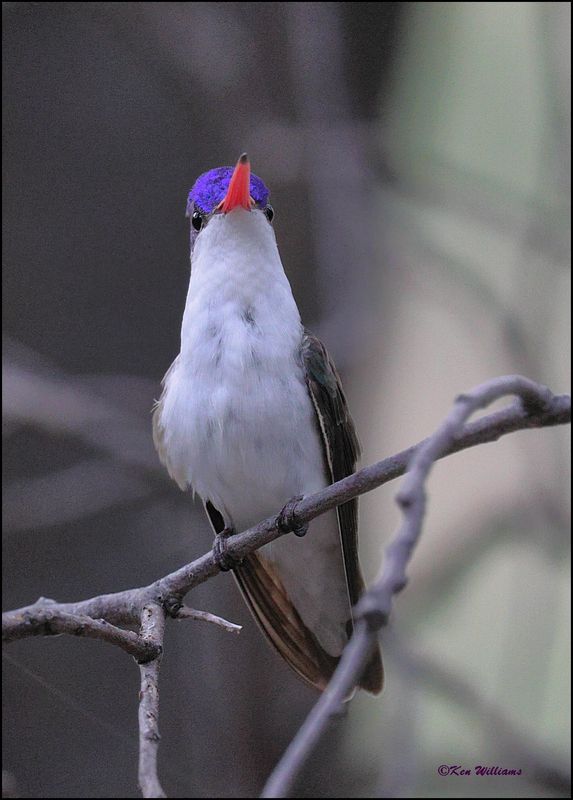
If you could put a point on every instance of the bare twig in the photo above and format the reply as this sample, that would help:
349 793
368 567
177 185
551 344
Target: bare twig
373 609
152 629
147 605
48 620
192 613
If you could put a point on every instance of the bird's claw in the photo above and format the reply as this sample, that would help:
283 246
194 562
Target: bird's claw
224 559
287 520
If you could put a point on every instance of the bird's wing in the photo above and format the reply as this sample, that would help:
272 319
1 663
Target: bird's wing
258 577
342 450
340 442
159 430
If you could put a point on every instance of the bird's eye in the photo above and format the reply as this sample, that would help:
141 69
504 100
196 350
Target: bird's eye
197 220
269 213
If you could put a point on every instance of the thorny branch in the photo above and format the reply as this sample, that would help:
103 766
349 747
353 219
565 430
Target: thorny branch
148 606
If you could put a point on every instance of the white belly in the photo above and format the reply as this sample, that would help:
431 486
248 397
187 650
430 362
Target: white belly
242 430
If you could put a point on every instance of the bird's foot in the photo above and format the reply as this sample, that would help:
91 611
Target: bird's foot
287 519
224 559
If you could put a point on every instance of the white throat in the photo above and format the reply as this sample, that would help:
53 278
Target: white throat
238 285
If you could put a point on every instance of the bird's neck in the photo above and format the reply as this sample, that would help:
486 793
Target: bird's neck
238 285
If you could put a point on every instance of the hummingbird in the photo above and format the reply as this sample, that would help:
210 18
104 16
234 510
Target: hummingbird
252 414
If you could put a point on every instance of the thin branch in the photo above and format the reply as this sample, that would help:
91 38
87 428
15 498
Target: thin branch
48 620
373 609
152 630
204 616
350 667
124 608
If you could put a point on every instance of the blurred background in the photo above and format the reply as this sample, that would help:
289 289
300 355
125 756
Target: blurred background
418 156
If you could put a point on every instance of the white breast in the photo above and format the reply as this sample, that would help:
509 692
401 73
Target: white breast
239 424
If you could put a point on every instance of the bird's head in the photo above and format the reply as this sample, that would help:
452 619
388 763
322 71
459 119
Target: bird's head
227 199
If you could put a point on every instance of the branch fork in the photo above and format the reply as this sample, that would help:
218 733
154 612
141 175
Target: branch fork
106 617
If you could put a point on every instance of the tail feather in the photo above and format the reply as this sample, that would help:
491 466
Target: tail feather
267 599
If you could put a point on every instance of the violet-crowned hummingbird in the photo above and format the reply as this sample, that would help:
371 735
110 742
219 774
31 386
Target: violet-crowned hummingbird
253 414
